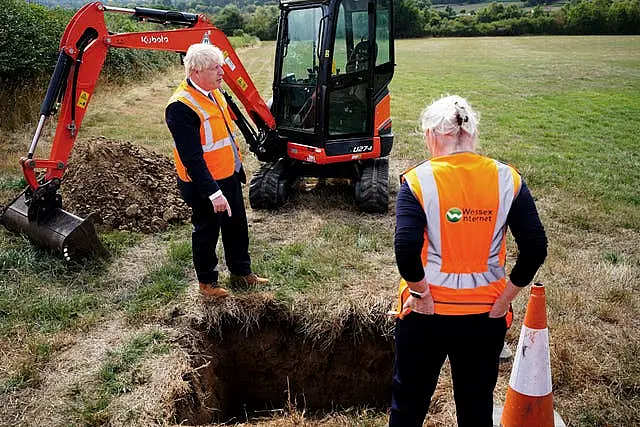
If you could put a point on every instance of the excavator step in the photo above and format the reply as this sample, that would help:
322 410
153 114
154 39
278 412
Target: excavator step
75 238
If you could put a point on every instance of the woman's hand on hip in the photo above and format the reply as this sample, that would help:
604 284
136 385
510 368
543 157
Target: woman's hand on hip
500 308
422 305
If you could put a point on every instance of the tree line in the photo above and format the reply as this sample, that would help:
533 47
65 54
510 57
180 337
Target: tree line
417 18
30 33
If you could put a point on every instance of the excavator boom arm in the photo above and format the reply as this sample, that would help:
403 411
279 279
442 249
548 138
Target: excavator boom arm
83 50
37 212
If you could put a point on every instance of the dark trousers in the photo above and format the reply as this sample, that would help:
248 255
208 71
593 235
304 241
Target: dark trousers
208 225
473 344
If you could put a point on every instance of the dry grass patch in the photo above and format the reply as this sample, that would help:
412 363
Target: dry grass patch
50 379
592 280
332 270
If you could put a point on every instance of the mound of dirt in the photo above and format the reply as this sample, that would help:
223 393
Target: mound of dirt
126 186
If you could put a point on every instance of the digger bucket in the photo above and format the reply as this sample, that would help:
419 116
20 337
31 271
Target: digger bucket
75 238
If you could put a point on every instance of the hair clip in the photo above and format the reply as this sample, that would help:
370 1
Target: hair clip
459 114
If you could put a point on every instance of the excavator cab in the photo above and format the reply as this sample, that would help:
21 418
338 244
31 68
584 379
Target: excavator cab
334 62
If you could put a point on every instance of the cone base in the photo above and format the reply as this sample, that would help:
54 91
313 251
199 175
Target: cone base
527 411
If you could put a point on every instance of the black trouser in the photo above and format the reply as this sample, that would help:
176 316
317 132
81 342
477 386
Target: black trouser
473 344
207 225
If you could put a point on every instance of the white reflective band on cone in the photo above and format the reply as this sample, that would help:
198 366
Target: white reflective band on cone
531 372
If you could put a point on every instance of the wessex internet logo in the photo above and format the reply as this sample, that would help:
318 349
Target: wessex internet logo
470 215
454 215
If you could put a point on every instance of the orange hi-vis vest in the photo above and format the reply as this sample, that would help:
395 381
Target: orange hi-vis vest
219 147
466 198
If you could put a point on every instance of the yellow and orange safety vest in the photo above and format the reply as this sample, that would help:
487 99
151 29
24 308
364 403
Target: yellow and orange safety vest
220 149
466 198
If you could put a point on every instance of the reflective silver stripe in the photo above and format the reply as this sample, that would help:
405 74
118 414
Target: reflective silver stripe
429 191
433 269
237 164
225 142
462 280
208 132
506 194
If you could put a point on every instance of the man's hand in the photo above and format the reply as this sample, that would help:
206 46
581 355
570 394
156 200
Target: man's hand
220 204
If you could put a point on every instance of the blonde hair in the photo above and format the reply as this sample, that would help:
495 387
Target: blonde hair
201 56
452 116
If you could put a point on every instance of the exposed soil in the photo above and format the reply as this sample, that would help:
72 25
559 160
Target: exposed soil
126 186
245 369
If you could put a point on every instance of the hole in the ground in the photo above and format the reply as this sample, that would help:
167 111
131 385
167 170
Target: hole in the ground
247 374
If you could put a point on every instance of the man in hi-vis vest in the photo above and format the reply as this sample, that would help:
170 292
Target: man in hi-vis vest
209 167
454 298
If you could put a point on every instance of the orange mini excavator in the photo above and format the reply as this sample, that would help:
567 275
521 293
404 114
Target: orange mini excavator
329 115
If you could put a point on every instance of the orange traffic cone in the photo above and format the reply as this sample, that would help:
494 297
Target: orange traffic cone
529 396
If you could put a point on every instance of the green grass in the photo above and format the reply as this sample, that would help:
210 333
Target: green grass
116 241
328 259
162 285
27 373
118 374
558 108
563 110
40 292
12 183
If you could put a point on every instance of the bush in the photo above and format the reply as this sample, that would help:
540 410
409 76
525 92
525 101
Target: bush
263 23
29 37
229 19
29 41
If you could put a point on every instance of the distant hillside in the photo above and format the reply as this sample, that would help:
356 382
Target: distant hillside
181 5
463 2
204 4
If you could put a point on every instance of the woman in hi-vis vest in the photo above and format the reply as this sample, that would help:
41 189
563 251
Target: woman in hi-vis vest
452 214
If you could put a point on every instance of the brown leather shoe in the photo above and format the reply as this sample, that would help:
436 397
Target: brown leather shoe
249 280
213 291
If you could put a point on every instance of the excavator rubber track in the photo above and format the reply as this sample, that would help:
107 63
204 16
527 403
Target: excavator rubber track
73 237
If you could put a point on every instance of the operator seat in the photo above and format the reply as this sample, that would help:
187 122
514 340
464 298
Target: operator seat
359 58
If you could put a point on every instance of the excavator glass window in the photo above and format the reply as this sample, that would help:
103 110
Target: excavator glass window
384 44
359 47
300 70
350 70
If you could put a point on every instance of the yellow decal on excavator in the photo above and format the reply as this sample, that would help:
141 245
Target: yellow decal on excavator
83 99
243 85
326 53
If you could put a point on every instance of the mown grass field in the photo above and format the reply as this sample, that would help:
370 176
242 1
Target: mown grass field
78 343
